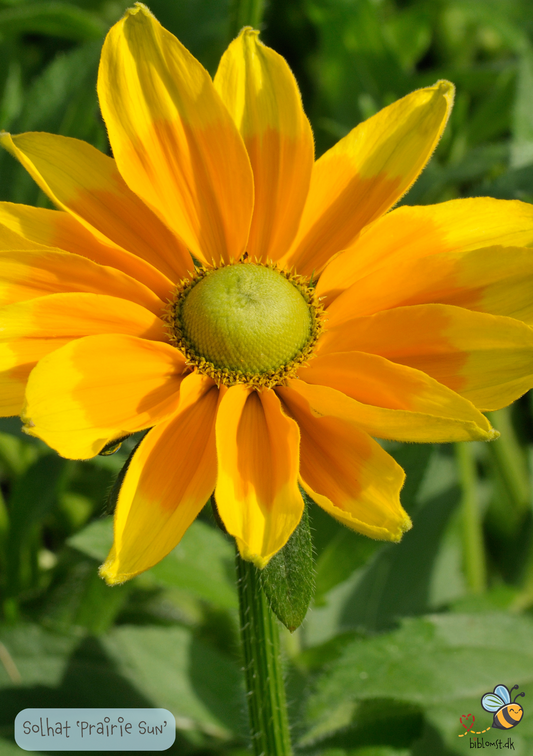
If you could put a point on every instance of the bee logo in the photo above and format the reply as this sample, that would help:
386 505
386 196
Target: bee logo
507 713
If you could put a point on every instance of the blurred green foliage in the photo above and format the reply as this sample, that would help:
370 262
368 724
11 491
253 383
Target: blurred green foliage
401 640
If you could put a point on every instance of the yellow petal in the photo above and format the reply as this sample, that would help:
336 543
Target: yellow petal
30 330
409 235
346 472
488 359
261 93
170 478
392 424
495 280
99 388
10 240
175 143
414 407
257 487
365 173
17 360
74 314
24 227
33 273
82 180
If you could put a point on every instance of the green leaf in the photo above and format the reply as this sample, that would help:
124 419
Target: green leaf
415 460
383 726
493 115
9 748
178 672
360 70
397 579
348 551
131 666
16 453
79 598
466 17
201 25
202 564
61 100
288 580
522 144
60 670
95 540
52 18
13 95
440 662
410 34
40 656
64 89
369 751
35 493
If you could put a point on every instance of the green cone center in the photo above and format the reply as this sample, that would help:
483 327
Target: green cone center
245 318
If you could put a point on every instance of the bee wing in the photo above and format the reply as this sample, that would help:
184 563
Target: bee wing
503 692
492 702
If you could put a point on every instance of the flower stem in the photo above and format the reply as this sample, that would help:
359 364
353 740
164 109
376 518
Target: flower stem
510 462
267 704
474 553
245 13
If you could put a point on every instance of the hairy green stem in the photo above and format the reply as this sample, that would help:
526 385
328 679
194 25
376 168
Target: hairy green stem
267 704
473 549
245 13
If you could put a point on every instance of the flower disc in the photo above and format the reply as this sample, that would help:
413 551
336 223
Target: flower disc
246 318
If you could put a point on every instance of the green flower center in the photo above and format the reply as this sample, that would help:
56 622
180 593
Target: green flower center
247 318
245 323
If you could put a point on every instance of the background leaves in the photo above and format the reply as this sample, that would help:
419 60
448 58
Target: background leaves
399 642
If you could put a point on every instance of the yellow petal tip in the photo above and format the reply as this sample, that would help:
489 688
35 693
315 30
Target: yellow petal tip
405 525
259 562
27 424
248 31
248 556
110 575
493 434
139 7
447 89
6 141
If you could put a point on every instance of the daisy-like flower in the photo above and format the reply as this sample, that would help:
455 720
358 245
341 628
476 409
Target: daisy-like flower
264 314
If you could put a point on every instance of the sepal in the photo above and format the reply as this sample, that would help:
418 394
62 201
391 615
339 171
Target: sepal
288 580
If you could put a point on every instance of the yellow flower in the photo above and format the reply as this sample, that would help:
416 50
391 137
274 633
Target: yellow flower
249 388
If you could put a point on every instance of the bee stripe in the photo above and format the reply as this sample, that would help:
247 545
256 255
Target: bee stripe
508 718
504 714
